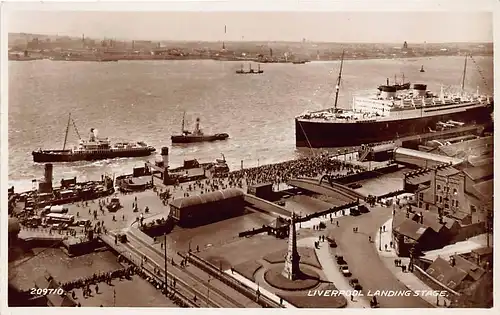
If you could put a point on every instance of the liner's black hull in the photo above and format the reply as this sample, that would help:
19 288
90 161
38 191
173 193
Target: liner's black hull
334 135
193 139
67 156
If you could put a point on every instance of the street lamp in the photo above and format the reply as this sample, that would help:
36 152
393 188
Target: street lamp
380 239
165 256
208 291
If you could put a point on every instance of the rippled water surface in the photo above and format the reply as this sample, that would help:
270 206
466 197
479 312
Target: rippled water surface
145 100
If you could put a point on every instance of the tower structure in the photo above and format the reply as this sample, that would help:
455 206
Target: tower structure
292 259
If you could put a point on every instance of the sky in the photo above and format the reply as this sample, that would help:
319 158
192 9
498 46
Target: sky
371 27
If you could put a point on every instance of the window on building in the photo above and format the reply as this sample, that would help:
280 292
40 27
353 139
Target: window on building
472 208
446 206
426 206
455 191
456 203
439 187
440 198
421 196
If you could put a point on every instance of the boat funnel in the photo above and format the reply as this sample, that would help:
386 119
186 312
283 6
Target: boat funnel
48 173
164 156
419 90
92 134
387 91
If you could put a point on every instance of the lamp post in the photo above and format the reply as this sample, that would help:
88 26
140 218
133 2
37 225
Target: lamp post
165 256
208 291
380 239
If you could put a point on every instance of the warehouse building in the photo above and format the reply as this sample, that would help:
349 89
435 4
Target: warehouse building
207 208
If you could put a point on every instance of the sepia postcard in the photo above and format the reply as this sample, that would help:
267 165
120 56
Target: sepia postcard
319 155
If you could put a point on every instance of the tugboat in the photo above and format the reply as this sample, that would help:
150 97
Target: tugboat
397 86
197 135
93 149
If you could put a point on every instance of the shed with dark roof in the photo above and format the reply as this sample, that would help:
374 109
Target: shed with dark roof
442 271
207 208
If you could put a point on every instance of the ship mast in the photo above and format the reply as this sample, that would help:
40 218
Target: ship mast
337 87
67 129
183 117
465 69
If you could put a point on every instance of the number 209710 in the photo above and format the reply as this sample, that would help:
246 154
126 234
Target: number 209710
46 291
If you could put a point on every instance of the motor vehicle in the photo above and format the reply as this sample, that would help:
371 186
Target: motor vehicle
354 212
83 222
280 203
340 260
354 282
345 270
59 226
355 185
114 205
332 242
363 209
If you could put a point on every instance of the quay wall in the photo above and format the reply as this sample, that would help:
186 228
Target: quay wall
348 179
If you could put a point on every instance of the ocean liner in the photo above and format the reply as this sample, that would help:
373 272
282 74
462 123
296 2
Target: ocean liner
389 114
93 149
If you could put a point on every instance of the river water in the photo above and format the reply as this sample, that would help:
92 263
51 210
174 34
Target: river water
145 101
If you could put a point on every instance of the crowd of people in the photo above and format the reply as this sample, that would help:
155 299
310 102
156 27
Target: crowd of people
278 173
106 277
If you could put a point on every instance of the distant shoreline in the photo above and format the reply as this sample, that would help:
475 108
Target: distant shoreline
254 60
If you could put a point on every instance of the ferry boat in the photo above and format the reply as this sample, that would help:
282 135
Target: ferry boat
93 149
387 115
197 135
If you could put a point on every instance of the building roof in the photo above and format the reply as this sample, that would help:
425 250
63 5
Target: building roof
471 268
383 147
218 195
459 215
428 156
279 222
479 172
471 147
429 221
419 179
448 171
479 161
485 189
411 229
442 271
483 251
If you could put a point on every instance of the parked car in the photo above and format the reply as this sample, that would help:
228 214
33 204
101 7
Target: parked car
363 209
332 242
355 185
345 270
340 260
354 282
354 212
